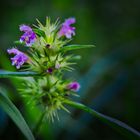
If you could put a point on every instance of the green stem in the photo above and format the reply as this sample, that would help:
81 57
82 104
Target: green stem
5 74
123 128
39 123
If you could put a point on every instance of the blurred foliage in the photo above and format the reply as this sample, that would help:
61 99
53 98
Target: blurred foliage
109 74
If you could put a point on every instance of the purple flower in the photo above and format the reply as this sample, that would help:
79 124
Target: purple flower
66 29
50 70
25 28
29 37
19 59
74 86
13 51
57 65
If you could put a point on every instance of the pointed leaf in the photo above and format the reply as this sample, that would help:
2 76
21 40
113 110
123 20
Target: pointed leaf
15 115
5 74
19 43
39 32
75 47
123 128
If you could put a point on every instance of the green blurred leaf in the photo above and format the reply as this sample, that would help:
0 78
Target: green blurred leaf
19 43
75 47
74 58
5 74
123 128
15 115
39 32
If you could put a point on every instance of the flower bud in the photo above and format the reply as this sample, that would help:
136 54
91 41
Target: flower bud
74 86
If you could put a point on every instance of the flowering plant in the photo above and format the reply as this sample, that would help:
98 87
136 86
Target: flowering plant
47 56
43 65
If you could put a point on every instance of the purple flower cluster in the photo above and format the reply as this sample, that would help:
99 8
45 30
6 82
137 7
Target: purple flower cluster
19 59
29 37
66 29
74 86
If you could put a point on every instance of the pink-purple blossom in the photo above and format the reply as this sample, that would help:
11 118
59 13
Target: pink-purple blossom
25 28
29 37
19 59
66 29
57 66
74 86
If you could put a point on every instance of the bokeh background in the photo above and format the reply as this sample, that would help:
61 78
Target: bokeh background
109 74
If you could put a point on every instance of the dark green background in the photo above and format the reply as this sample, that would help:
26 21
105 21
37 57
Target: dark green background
109 74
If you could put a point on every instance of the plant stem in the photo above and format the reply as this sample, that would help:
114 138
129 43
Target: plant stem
121 127
39 123
5 74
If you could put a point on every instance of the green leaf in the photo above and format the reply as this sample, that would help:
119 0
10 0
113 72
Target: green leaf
15 115
5 74
39 32
75 47
121 127
19 43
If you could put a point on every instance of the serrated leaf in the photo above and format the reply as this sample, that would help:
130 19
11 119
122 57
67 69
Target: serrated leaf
75 47
15 115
